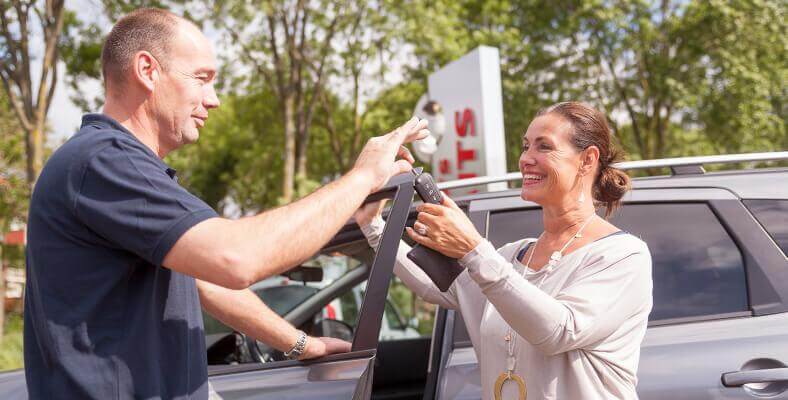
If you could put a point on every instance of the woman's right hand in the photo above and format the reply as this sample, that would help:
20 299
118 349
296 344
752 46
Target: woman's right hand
368 212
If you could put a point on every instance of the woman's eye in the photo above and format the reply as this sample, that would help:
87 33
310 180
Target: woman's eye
545 147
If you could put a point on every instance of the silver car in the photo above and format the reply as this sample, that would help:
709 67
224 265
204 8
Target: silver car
718 330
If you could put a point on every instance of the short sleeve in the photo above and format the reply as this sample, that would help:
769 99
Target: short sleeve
126 196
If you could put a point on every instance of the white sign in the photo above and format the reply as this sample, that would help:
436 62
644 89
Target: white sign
473 143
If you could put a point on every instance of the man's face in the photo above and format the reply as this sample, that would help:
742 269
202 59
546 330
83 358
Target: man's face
185 91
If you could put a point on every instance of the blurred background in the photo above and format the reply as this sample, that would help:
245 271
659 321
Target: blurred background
304 83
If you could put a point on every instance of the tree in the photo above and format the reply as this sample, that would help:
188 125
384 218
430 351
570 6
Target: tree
293 45
676 77
30 104
14 191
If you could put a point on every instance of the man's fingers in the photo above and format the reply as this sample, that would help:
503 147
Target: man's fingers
334 345
410 131
401 167
405 153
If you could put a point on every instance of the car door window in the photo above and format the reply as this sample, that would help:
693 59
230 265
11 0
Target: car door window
405 315
698 270
773 216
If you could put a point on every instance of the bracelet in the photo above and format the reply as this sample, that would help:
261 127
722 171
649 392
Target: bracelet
298 348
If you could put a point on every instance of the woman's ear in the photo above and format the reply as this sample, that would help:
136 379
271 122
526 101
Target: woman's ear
588 159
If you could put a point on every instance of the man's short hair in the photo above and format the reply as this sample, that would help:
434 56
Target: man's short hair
148 29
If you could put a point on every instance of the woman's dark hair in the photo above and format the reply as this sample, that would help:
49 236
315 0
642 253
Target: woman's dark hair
590 128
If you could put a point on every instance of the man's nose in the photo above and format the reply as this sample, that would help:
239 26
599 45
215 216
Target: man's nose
211 100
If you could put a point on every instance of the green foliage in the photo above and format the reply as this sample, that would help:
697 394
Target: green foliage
676 77
14 191
11 344
237 160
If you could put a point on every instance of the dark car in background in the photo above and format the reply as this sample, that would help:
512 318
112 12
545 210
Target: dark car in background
718 330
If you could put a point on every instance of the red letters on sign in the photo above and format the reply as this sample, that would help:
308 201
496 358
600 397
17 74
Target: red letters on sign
462 125
464 155
444 166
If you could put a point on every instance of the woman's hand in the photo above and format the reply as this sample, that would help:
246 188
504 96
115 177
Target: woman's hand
445 228
365 214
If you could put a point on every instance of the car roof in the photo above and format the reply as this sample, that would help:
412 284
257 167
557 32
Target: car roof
769 183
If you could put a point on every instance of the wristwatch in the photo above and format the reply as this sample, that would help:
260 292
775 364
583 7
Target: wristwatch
298 348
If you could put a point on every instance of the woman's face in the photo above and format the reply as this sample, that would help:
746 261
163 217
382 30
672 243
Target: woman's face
549 162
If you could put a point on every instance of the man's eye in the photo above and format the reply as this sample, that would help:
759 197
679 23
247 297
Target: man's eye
545 147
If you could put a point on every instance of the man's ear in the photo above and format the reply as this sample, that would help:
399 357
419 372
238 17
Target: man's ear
145 69
588 158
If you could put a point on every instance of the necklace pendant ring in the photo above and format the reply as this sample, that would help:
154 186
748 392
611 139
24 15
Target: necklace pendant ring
509 376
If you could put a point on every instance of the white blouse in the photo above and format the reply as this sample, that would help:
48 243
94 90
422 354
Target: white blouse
578 327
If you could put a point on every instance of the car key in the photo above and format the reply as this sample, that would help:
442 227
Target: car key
443 270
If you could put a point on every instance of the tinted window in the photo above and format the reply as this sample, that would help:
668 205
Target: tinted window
773 215
509 226
697 268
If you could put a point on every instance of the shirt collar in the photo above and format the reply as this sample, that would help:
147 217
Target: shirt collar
102 121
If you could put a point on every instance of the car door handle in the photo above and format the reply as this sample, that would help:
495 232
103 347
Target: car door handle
738 378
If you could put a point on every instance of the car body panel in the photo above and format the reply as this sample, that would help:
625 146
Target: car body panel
328 379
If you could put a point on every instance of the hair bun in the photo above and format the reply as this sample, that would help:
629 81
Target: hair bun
611 186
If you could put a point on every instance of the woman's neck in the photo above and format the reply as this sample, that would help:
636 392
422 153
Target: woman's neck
558 220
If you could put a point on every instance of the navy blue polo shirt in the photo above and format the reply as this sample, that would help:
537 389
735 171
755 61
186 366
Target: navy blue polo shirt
103 318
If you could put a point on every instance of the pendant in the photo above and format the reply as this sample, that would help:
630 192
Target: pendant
554 258
509 376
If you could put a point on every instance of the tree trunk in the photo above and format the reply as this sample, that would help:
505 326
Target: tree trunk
35 153
303 142
288 181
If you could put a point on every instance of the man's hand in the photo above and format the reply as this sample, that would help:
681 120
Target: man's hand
368 212
377 158
323 346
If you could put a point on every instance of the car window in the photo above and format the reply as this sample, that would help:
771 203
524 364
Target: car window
405 316
283 294
773 216
697 268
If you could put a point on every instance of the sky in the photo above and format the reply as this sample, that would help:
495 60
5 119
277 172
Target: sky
64 117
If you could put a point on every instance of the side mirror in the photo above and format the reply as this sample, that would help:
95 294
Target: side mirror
334 328
304 274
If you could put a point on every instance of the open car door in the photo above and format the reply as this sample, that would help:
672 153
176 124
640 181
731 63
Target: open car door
339 376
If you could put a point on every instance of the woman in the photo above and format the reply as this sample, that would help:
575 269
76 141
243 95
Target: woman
561 316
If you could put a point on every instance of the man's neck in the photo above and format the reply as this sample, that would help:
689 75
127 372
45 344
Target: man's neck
138 123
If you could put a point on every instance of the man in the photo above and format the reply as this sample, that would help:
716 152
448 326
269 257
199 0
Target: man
120 257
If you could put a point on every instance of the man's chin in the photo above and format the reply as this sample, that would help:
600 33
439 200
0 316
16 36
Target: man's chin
191 136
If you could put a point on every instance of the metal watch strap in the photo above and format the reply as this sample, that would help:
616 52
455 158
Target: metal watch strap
298 348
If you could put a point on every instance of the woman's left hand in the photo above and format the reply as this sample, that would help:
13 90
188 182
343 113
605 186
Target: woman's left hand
445 228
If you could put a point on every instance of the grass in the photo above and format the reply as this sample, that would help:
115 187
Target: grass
11 345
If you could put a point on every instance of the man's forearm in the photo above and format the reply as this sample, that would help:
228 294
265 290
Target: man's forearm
243 311
237 253
302 227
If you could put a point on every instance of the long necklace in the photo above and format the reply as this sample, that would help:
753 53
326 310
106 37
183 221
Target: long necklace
511 361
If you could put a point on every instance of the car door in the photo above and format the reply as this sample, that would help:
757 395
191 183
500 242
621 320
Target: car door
717 317
340 376
719 328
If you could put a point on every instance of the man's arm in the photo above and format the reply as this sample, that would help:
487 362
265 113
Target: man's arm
237 253
245 312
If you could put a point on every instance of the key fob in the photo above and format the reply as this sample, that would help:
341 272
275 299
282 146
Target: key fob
441 269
